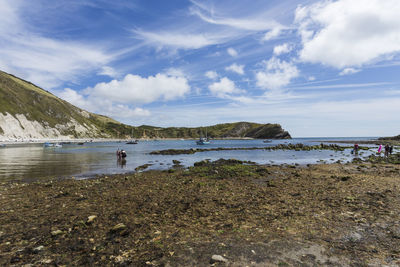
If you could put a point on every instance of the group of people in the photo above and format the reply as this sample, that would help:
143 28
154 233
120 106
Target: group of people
121 154
388 150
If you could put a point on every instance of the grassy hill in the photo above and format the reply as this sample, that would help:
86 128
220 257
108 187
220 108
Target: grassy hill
27 111
19 97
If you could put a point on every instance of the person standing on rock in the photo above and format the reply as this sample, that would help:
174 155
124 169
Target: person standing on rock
390 150
386 150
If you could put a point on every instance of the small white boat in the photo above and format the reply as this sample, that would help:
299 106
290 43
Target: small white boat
203 141
47 144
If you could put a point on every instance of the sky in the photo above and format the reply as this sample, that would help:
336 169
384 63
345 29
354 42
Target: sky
318 68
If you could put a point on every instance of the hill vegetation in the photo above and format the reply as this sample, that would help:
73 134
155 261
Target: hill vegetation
28 111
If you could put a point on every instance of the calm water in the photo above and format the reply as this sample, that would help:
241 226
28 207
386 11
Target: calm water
33 162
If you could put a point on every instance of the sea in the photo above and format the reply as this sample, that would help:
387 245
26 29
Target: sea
34 162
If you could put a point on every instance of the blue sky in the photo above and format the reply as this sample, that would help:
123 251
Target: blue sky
319 68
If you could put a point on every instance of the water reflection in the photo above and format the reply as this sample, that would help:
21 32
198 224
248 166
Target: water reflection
33 162
121 163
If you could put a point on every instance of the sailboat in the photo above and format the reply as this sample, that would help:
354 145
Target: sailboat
203 140
132 142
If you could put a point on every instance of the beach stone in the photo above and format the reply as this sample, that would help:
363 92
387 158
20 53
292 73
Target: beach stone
56 232
118 227
39 248
354 237
218 258
91 218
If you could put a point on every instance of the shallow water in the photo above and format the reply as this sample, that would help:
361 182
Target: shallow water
32 162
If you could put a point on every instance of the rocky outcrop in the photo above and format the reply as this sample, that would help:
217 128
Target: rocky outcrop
396 138
269 131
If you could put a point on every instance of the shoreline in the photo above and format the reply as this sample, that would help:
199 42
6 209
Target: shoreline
340 214
98 140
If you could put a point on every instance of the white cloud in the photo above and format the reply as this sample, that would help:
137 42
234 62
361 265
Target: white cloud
108 71
223 88
261 23
239 69
282 49
76 99
120 98
41 60
311 78
102 105
272 34
175 72
232 52
277 74
348 33
135 89
211 74
180 40
348 71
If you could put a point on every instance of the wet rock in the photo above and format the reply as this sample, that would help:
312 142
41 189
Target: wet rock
143 167
119 229
218 258
176 162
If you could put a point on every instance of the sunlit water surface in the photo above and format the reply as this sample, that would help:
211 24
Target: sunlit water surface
32 162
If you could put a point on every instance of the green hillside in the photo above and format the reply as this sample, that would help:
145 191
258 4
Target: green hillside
18 96
37 105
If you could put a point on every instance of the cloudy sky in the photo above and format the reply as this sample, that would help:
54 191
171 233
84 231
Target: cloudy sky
319 68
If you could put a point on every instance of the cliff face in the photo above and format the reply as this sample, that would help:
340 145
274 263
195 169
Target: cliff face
27 111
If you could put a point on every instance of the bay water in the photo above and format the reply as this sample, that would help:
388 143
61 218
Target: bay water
32 162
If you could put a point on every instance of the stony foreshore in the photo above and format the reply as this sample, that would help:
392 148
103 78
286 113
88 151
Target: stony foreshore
221 213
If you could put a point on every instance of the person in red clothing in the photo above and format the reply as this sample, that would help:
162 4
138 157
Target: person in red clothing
355 148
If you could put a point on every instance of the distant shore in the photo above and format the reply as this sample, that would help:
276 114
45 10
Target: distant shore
97 140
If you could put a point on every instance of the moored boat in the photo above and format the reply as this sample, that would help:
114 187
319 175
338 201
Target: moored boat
203 140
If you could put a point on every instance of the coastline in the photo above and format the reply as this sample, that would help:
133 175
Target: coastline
338 214
97 140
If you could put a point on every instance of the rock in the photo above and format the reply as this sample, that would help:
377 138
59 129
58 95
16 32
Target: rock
218 258
39 248
354 237
46 261
118 227
56 232
90 219
176 162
